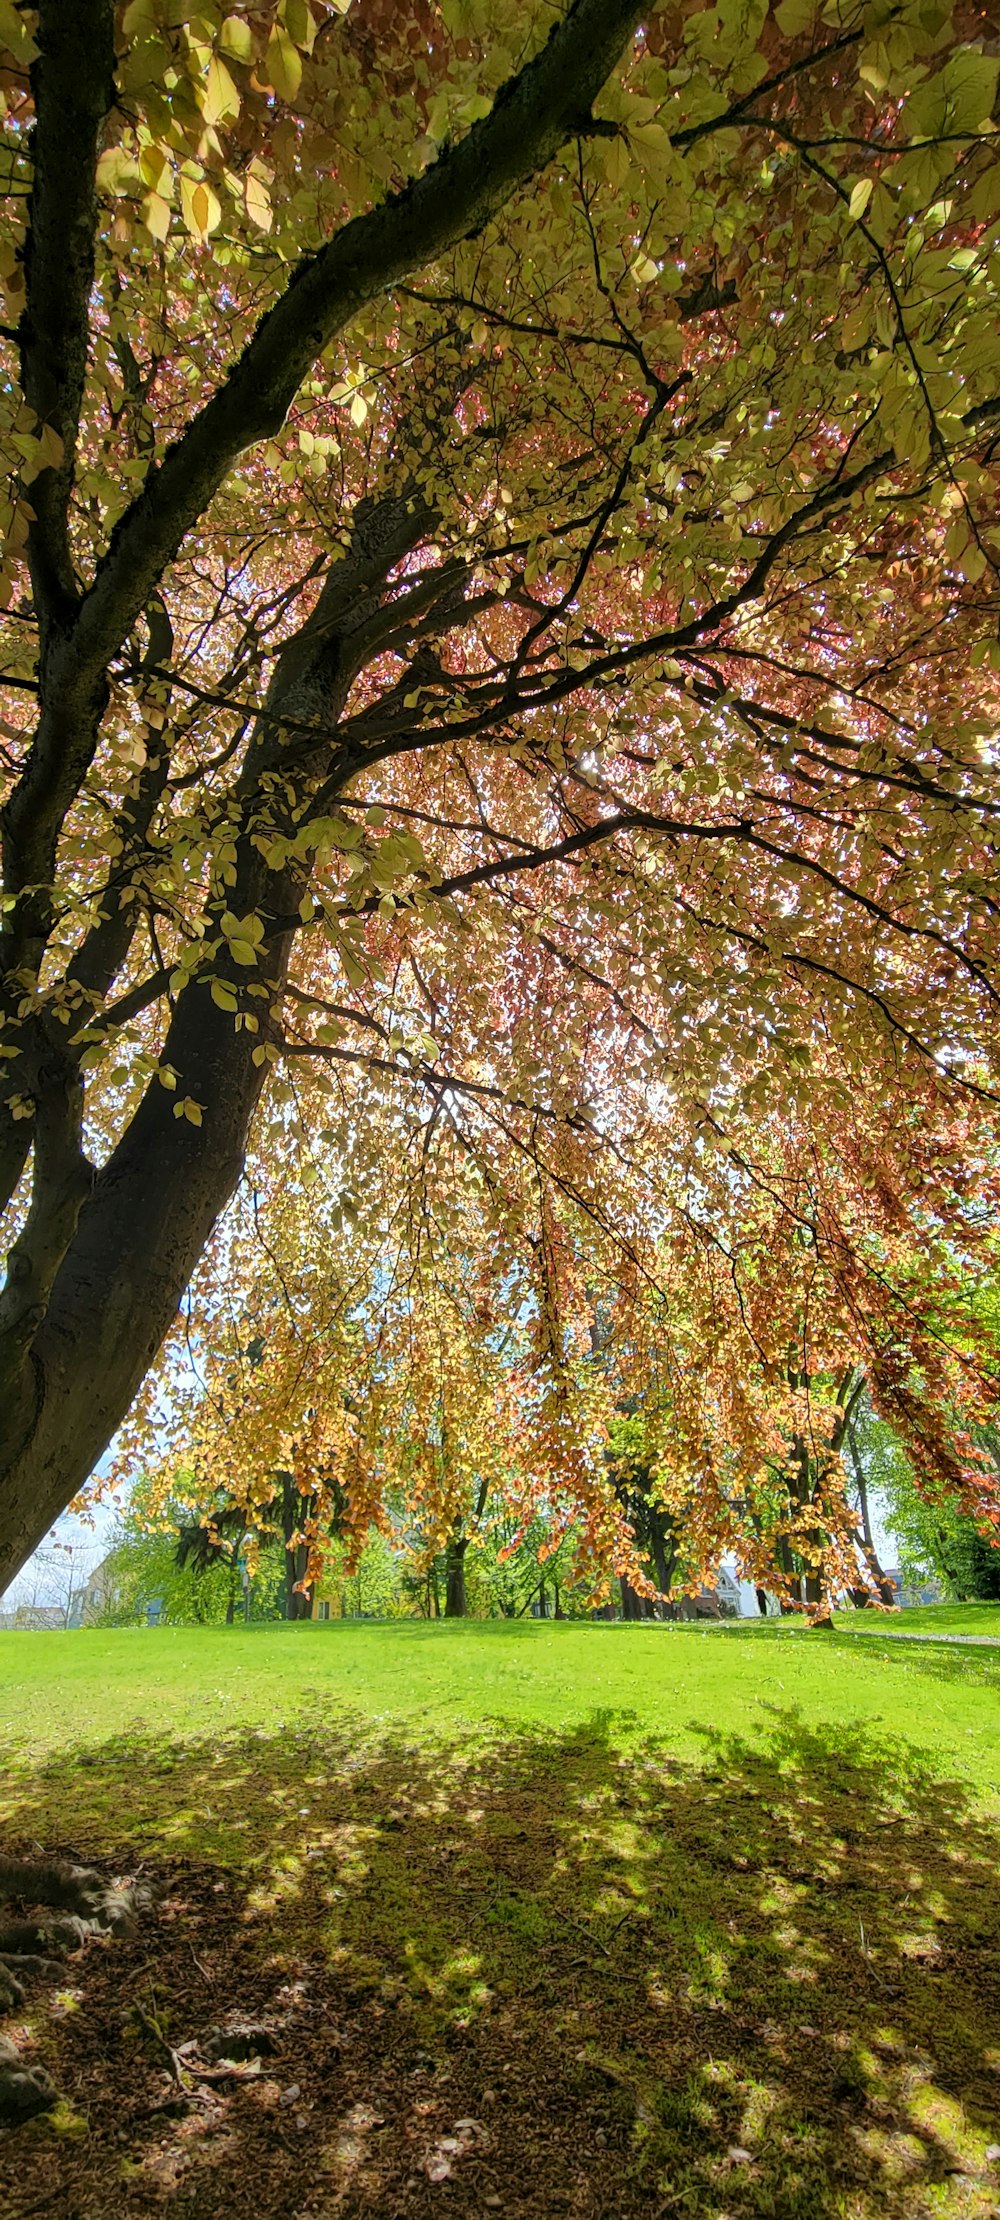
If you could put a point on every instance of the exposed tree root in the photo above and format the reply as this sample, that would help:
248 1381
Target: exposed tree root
57 1908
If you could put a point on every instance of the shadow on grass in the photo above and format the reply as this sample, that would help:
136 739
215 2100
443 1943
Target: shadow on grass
526 1972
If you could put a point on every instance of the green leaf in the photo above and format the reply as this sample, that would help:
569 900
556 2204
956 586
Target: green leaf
283 64
236 40
139 19
959 98
299 24
860 196
795 16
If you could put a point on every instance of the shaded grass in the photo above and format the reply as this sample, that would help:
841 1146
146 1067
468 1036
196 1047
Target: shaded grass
579 1976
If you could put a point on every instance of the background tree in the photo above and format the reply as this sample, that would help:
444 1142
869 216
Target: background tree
936 1540
280 1518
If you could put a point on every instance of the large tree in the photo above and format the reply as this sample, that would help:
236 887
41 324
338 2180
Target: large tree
501 626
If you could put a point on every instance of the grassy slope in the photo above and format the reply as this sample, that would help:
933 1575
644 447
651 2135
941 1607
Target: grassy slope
940 1618
634 1900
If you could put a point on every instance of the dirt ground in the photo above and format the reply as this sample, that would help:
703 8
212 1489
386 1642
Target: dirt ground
541 1978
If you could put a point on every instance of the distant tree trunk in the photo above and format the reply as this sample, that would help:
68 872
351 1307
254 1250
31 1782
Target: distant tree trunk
631 1601
455 1602
664 1568
786 1566
233 1585
298 1599
761 1595
434 1591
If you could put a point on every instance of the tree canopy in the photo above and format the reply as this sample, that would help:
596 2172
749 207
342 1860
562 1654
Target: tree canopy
500 658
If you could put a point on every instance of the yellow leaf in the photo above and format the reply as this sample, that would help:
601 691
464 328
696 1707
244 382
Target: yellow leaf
117 172
224 995
200 208
860 198
283 64
258 205
359 410
154 168
156 216
243 951
220 99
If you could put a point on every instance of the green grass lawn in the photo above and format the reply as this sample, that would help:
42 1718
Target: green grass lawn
584 1919
684 1684
935 1618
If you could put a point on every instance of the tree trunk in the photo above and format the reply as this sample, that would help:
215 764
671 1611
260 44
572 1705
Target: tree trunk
631 1602
300 1599
786 1566
117 1291
297 1599
664 1567
234 1576
455 1606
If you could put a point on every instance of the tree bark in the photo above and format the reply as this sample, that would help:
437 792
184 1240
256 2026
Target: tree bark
631 1601
455 1602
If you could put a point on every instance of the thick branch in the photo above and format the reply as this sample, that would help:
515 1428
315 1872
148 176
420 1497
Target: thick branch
61 1181
73 81
15 1141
